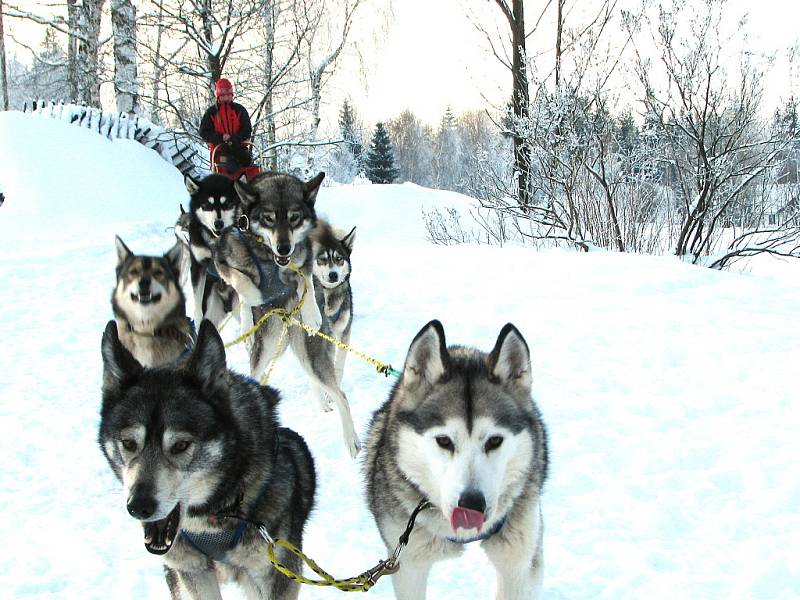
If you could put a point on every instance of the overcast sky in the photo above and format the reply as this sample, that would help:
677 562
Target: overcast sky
433 56
430 56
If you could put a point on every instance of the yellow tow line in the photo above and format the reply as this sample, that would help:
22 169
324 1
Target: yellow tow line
289 318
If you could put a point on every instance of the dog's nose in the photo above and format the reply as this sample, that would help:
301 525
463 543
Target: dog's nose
473 500
333 276
144 283
284 249
141 506
219 224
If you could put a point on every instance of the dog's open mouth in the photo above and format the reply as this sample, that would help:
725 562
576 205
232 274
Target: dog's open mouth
282 260
159 535
146 298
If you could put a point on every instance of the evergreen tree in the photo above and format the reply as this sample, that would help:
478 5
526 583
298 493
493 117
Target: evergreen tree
379 165
447 154
350 130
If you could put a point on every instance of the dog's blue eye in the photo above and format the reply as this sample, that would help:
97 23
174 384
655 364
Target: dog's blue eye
493 443
129 445
445 443
294 217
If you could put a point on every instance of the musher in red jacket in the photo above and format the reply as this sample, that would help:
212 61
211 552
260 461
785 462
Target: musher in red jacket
227 124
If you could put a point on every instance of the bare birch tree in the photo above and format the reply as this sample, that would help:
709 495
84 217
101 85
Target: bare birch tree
328 31
3 71
83 30
126 85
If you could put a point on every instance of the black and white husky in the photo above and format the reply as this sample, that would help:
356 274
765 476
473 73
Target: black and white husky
213 206
278 215
332 267
149 305
461 432
191 442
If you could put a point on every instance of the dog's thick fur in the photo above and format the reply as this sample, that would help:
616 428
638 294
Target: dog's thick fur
332 268
279 211
214 205
193 441
149 305
461 431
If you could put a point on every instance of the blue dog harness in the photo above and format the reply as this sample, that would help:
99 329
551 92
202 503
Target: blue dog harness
216 544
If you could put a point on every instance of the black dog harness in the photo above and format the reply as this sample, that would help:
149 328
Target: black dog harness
269 284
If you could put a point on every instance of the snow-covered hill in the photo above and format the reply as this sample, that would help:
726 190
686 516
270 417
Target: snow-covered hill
669 391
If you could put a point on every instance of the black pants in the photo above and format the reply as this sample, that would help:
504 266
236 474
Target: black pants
234 156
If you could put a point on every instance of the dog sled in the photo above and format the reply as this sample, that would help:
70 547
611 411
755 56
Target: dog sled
222 163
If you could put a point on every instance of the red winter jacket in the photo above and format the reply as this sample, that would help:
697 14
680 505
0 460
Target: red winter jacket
219 119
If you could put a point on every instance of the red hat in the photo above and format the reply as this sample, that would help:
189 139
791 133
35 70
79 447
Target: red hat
224 86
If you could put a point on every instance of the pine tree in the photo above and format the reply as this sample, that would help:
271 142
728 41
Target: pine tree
351 134
379 165
447 157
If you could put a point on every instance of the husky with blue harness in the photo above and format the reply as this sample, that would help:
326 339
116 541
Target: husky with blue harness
461 440
195 446
258 259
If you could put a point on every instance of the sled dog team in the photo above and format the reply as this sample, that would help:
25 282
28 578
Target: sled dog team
191 440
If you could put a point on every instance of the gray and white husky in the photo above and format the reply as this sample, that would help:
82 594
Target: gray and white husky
332 267
461 431
149 305
213 206
278 216
193 442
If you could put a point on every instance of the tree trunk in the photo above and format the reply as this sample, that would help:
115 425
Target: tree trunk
522 153
3 77
213 65
126 88
158 68
559 28
270 131
72 51
88 49
515 15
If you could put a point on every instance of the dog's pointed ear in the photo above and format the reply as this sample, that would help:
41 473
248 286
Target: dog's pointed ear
510 360
123 252
428 360
174 258
207 362
192 185
246 193
312 187
347 241
119 366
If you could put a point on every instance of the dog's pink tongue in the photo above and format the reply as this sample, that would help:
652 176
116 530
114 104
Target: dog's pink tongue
466 518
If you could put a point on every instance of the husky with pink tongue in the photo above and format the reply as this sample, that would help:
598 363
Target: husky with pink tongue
461 437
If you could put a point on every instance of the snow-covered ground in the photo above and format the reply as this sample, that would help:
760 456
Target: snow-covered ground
669 391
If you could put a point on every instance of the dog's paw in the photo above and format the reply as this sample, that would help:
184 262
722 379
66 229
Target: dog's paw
353 445
313 318
325 403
